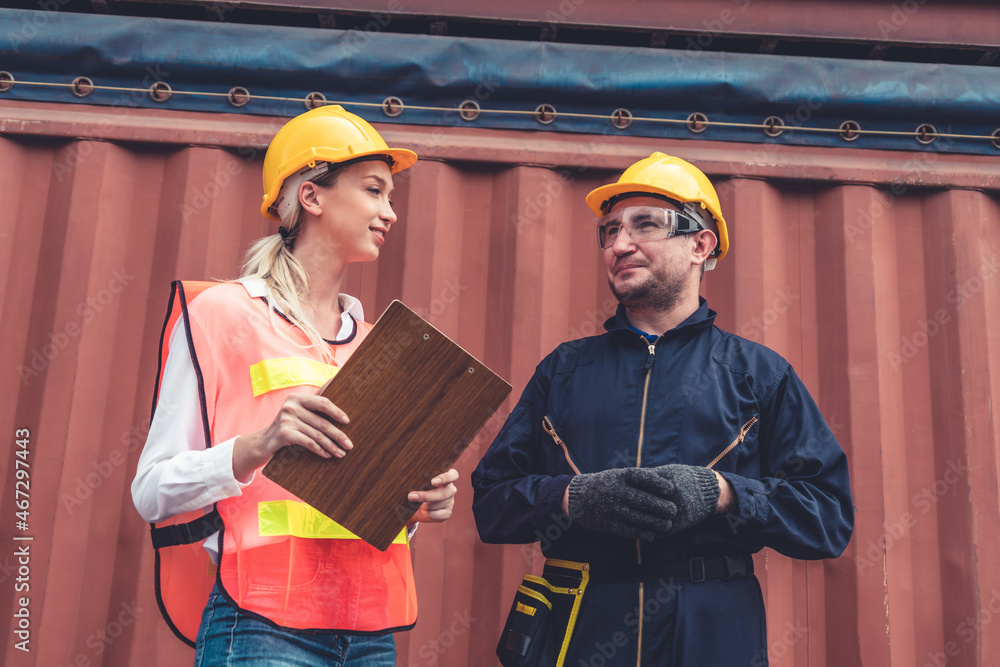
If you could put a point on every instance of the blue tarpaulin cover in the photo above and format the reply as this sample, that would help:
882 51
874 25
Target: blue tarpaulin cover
366 66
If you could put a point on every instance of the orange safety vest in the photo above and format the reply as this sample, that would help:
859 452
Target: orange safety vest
281 560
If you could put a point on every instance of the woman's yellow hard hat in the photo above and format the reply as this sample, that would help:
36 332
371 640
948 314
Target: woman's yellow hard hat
324 134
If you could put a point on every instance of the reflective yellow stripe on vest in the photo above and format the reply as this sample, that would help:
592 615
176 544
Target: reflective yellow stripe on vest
282 518
271 374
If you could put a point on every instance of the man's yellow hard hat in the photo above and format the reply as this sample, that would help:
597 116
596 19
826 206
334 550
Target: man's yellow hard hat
669 176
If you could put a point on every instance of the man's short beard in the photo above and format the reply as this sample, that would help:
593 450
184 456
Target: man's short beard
655 293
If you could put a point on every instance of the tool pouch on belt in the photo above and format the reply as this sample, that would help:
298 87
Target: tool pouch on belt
542 616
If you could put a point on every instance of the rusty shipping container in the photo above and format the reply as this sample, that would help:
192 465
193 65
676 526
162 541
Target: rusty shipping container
872 267
879 285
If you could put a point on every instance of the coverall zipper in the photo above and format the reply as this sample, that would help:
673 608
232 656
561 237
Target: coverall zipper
648 367
548 428
739 438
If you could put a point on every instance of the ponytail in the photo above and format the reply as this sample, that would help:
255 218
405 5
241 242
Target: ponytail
271 260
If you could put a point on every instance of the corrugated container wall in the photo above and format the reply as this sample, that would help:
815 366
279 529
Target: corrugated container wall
874 273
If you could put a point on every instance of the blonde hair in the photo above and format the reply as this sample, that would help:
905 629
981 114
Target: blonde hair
271 260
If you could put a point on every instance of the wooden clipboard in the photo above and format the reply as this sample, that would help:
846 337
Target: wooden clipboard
415 400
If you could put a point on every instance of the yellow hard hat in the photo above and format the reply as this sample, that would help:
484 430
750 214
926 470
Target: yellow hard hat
324 134
669 176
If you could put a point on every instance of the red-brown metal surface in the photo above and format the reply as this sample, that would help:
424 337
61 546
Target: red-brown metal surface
874 273
963 22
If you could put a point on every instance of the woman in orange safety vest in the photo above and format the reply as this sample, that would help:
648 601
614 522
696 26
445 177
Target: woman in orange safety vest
245 571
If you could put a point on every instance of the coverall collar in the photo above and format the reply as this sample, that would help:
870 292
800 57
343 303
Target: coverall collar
700 318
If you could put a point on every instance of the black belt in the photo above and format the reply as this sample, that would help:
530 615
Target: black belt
694 570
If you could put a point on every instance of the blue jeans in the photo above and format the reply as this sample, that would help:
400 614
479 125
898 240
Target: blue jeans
229 637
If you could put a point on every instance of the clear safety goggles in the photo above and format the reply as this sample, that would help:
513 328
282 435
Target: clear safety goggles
644 223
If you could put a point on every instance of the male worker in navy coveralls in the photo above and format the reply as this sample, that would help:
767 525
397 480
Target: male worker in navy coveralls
660 454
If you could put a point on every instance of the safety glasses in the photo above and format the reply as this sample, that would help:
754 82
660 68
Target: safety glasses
644 223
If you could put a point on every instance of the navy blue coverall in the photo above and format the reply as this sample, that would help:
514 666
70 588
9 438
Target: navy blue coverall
616 400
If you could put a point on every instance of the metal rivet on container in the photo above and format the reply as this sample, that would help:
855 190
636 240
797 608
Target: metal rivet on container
469 110
850 130
926 133
579 592
82 86
585 567
545 114
6 81
697 122
427 336
621 118
160 91
315 100
472 370
773 126
392 106
239 96
996 138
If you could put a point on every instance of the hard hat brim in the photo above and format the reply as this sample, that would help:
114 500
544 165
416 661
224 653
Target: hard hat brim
402 158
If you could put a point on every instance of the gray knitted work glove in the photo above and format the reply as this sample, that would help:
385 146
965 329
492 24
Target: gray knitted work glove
627 502
695 492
